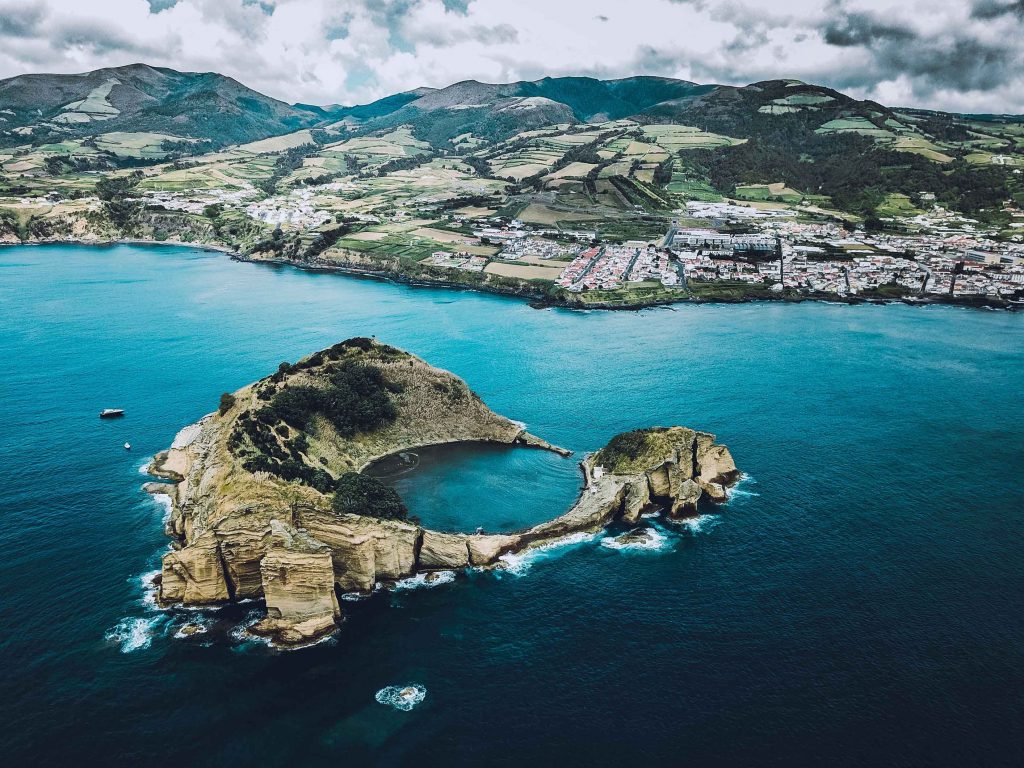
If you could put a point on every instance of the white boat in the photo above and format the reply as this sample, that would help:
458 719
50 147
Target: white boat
111 413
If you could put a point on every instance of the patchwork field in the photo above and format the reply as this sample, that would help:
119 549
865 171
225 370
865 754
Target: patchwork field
538 213
676 137
768 192
278 143
138 145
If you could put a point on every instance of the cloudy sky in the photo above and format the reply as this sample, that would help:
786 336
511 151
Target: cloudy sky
964 55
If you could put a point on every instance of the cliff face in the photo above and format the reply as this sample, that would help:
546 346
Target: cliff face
256 487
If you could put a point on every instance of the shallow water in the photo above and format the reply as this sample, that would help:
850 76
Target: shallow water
482 485
859 601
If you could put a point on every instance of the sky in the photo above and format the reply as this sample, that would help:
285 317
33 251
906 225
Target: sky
957 55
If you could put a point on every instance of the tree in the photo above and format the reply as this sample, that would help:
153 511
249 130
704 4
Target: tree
364 495
227 402
115 193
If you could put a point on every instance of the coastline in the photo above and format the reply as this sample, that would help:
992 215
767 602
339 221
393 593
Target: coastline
538 299
544 301
107 243
297 559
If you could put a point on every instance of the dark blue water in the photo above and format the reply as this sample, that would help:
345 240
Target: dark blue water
860 603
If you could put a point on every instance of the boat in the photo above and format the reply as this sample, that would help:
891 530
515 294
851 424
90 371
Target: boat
127 446
111 413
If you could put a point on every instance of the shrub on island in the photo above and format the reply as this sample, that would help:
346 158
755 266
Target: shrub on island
364 495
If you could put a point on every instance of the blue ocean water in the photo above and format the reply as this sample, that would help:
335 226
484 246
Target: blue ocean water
860 600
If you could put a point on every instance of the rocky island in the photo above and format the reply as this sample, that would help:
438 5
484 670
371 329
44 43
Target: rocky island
269 499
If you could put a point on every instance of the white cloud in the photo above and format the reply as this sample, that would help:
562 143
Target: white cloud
953 54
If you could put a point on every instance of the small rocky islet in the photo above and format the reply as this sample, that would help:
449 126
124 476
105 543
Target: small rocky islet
269 500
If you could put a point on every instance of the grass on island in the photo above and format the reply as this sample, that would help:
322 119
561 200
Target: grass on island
639 450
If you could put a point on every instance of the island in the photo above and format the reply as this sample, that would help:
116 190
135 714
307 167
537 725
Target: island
269 498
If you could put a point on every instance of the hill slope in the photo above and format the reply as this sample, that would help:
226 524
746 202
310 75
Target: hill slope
140 98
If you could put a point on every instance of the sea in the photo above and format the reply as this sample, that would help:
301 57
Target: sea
859 600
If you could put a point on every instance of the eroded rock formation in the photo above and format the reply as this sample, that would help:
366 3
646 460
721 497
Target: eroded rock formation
254 511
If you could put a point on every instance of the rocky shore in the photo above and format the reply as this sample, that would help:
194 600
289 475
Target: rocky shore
238 533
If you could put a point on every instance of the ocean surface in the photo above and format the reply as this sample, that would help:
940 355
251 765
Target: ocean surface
858 601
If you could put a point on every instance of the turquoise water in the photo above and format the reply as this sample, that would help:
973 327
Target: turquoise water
481 485
859 601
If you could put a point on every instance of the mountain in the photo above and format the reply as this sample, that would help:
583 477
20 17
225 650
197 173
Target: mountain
497 111
781 140
139 98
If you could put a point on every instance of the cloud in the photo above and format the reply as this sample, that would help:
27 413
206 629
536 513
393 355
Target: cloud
951 54
863 29
994 9
21 19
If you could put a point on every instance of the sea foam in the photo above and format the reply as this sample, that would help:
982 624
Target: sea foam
402 697
133 633
240 632
698 524
739 490
424 581
163 501
646 539
518 563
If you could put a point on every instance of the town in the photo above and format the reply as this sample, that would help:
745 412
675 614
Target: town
773 249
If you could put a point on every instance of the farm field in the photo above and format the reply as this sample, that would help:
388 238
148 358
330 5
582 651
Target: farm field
769 192
524 271
538 213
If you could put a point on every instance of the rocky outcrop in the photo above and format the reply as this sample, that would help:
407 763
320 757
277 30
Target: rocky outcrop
240 532
443 550
194 575
485 550
297 572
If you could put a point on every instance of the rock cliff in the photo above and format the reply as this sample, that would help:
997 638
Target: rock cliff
267 500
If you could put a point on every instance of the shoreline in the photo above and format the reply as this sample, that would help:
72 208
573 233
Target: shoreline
123 241
297 560
538 300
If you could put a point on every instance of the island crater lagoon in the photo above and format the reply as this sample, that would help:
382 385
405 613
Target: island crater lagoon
859 599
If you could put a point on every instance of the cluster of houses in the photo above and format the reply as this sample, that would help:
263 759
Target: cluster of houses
824 258
460 260
537 247
612 266
296 209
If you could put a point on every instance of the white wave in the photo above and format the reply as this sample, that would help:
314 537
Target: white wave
403 697
518 563
149 590
698 524
739 490
647 539
424 580
240 633
163 501
134 633
144 467
353 597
